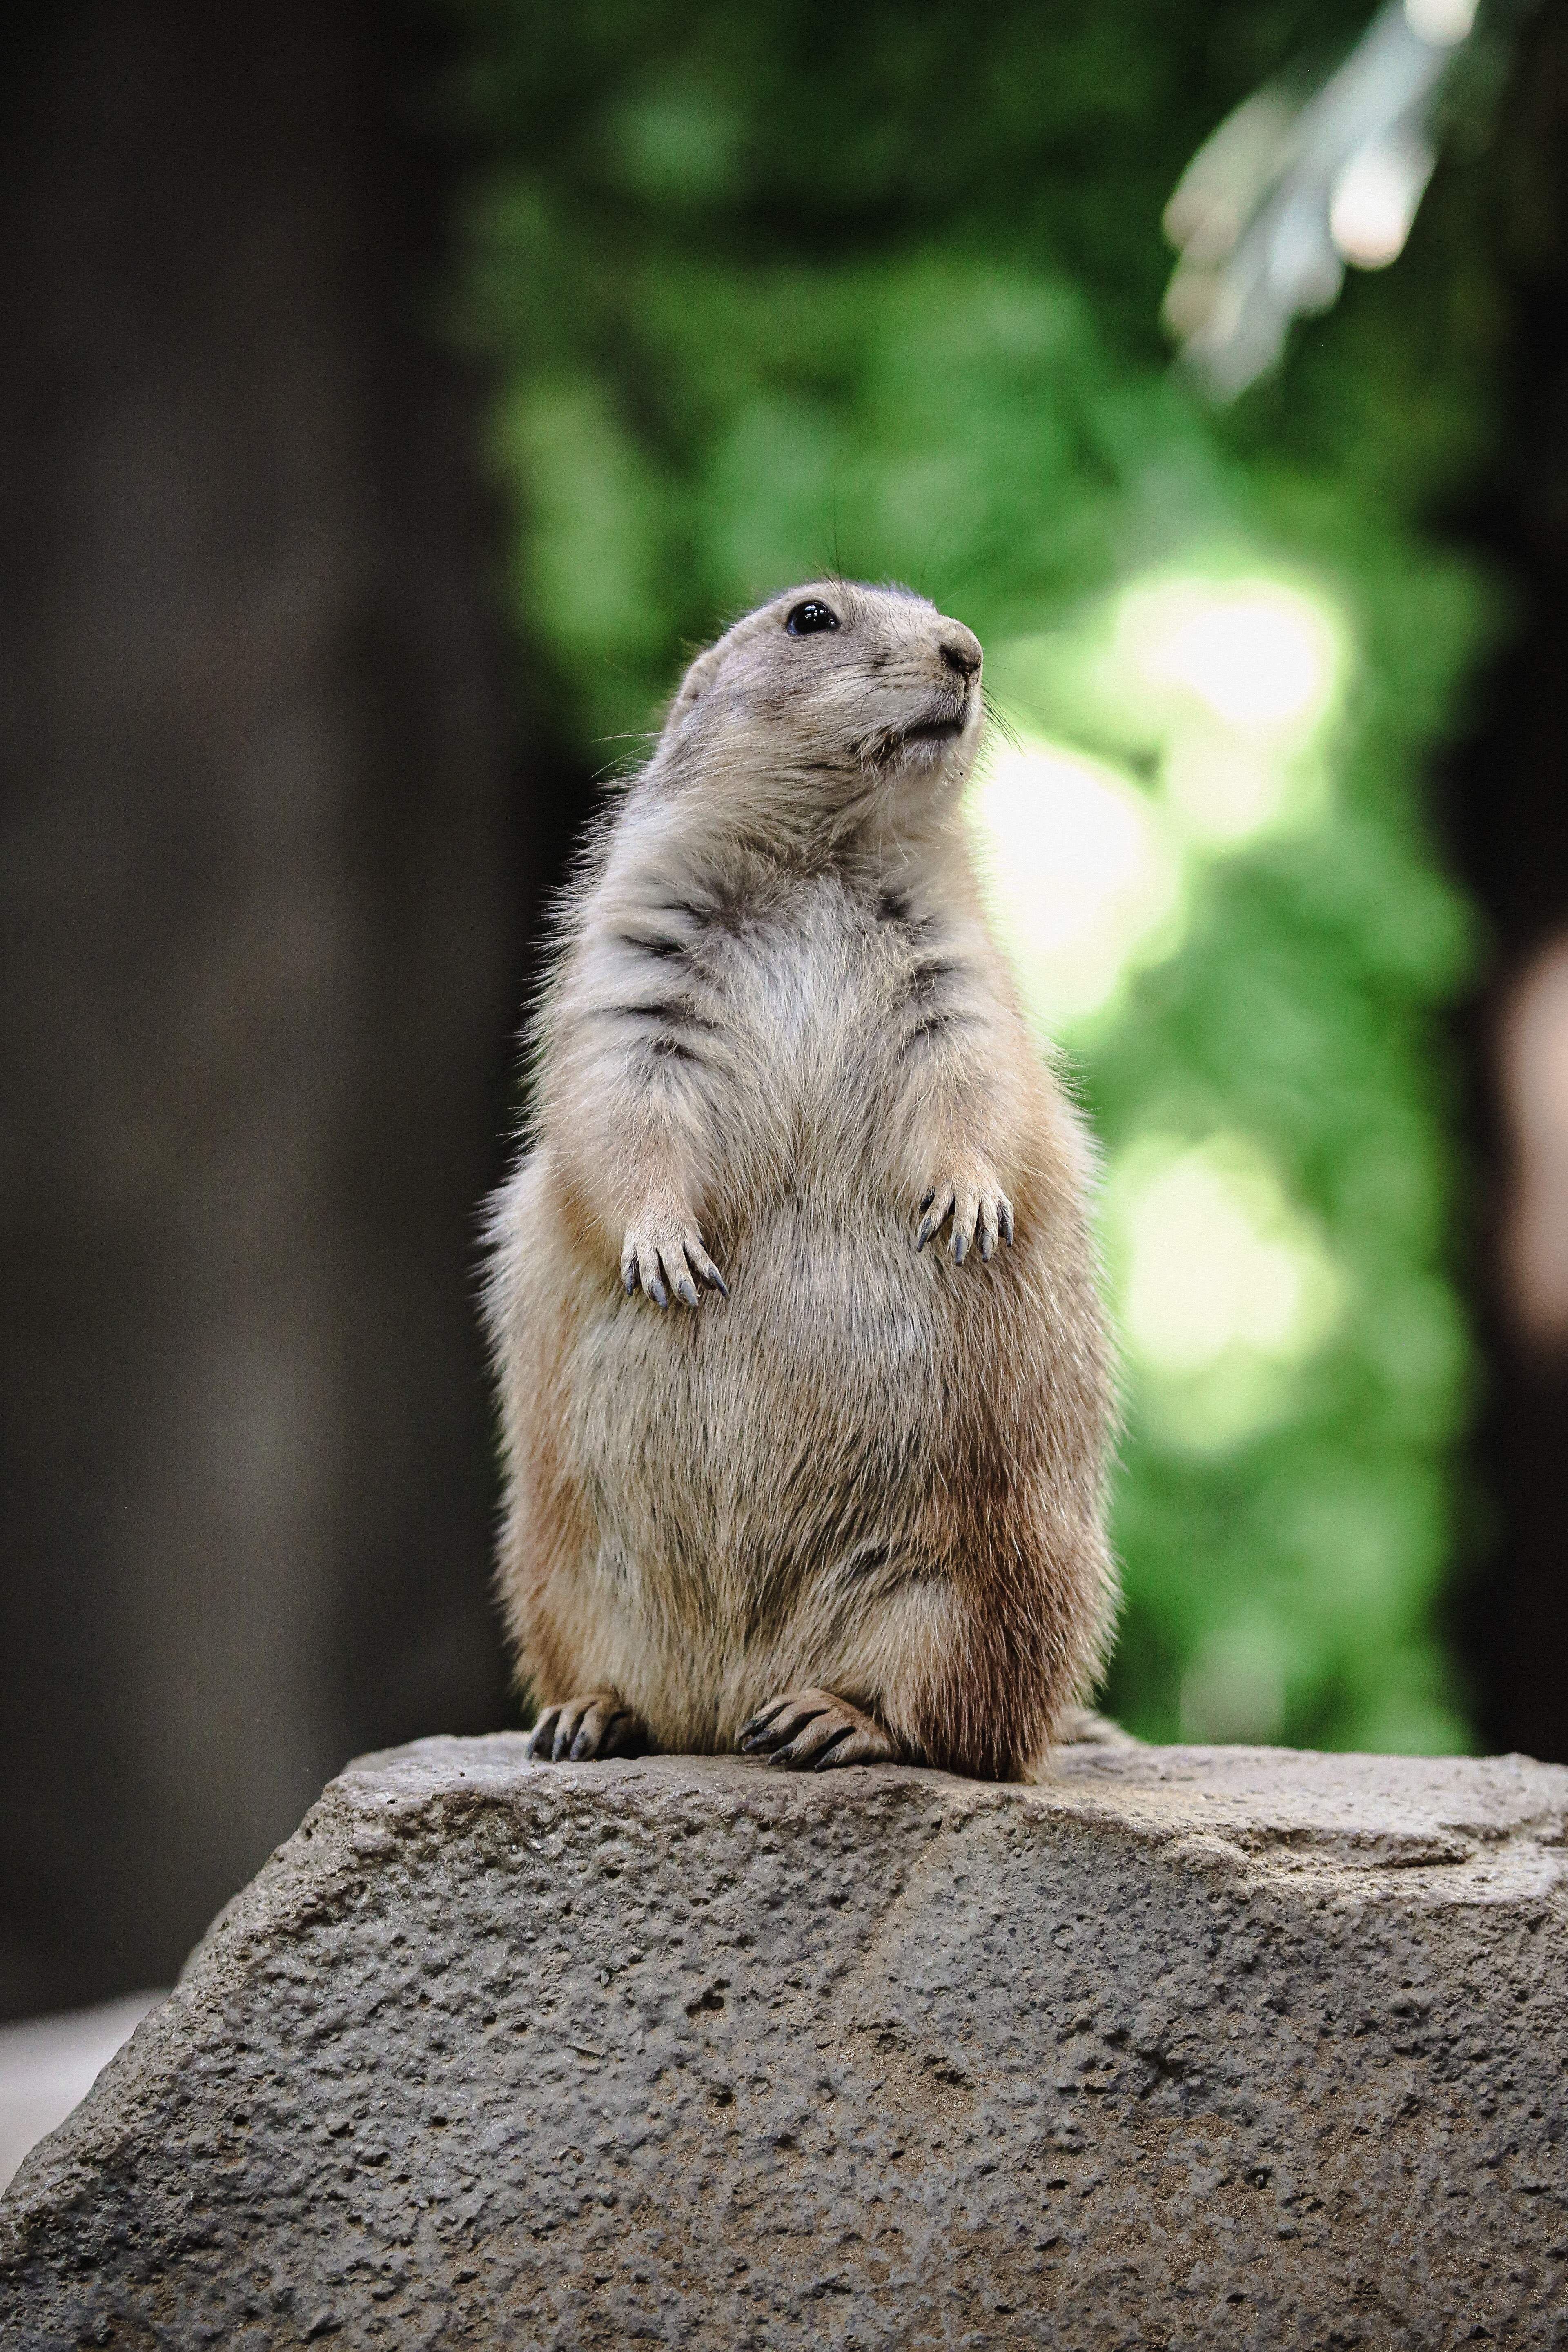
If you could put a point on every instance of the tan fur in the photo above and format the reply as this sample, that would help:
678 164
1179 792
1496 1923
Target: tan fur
775 1023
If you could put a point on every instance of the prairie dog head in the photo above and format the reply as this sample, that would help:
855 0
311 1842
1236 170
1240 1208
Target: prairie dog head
829 700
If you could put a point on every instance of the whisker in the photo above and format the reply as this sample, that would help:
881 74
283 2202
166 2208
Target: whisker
1000 720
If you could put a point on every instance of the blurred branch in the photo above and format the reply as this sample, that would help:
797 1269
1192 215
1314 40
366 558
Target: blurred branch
1289 189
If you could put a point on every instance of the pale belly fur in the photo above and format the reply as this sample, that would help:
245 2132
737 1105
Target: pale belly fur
757 1475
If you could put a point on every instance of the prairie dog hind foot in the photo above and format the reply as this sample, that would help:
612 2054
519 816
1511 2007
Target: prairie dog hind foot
596 1724
815 1729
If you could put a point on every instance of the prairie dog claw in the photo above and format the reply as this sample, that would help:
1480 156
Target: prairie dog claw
661 1251
815 1729
595 1724
979 1209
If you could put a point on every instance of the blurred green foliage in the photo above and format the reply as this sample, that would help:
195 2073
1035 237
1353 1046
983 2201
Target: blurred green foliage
876 289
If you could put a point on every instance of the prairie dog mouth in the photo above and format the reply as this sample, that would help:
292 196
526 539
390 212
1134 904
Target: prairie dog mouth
945 716
943 721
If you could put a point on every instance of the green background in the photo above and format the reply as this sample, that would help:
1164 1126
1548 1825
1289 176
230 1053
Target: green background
877 289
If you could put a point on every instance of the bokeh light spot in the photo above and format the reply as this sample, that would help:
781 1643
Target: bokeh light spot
1083 878
1376 196
1223 1283
1261 657
1440 22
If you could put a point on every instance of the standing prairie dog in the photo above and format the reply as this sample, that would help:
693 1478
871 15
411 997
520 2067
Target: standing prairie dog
795 1480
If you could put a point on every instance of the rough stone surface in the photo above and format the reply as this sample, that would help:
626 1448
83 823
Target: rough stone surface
1189 2048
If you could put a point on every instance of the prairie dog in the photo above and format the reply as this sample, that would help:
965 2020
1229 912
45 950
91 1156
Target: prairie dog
781 1472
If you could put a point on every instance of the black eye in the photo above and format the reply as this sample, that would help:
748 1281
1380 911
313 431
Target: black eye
807 618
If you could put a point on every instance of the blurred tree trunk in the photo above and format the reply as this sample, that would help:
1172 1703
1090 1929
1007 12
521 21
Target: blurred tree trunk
256 967
1509 813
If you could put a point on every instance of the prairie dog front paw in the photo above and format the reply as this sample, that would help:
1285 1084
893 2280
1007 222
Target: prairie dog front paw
663 1247
976 1205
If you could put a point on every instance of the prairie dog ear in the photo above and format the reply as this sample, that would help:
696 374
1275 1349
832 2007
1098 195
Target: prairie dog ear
696 682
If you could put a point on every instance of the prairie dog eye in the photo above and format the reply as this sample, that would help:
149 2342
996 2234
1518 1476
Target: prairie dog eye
806 619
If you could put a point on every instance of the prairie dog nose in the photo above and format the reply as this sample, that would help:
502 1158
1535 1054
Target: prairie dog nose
961 650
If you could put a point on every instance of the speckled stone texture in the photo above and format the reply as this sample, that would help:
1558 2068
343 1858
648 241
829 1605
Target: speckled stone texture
1191 2047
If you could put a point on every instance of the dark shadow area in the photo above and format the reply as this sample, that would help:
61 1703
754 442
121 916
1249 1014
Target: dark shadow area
1508 814
265 839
